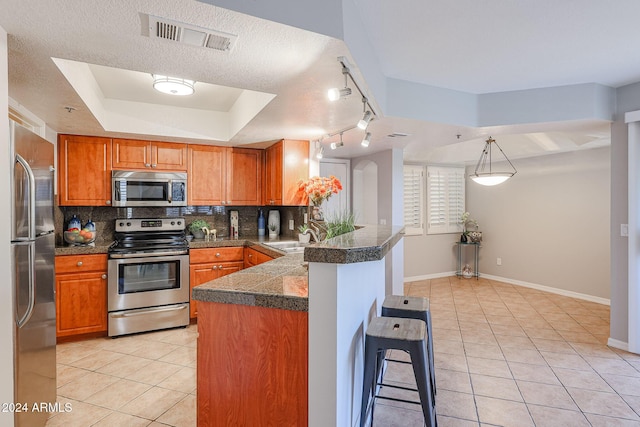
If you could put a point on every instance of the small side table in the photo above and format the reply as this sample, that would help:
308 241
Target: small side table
476 249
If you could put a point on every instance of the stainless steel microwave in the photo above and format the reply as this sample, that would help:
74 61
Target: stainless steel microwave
135 189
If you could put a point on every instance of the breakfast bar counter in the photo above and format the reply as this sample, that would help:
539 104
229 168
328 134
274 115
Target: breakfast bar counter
261 328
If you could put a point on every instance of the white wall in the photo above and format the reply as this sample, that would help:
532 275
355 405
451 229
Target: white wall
549 224
6 295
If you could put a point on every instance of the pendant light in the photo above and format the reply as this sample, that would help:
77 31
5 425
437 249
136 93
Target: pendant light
490 177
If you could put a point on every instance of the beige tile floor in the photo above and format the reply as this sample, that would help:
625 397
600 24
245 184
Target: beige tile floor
139 380
505 356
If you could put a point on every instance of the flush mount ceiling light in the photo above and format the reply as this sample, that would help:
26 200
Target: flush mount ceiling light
366 140
490 177
173 85
335 93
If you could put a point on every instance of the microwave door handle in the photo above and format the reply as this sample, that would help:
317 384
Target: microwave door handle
170 191
32 196
116 190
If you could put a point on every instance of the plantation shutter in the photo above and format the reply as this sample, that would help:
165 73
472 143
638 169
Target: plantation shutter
445 199
413 200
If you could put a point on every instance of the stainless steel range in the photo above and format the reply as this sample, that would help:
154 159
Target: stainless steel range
148 285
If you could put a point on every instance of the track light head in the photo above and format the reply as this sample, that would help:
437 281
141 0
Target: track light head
320 153
366 140
334 93
364 122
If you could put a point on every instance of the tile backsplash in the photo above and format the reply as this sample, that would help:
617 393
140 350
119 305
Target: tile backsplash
217 216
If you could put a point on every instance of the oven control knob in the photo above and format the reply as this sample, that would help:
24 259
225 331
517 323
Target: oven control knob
121 224
179 222
173 223
128 224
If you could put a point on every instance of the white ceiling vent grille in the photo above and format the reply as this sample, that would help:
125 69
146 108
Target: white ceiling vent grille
180 32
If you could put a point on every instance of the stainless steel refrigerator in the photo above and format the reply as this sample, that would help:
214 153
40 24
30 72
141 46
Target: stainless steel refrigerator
33 277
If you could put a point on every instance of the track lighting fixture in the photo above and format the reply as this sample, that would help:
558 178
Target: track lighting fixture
364 122
320 153
335 145
366 140
335 93
491 178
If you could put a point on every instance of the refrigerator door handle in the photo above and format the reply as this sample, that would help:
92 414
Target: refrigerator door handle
32 291
32 195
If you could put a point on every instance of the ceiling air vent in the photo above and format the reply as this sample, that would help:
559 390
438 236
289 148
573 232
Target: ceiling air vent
166 29
397 135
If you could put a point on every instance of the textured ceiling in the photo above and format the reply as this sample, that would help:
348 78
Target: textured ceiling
467 45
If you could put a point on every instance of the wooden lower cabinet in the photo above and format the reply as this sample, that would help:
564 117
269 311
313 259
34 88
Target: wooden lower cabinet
81 294
209 264
253 257
252 366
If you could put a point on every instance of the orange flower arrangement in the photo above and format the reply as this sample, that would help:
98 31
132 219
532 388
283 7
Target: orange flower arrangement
320 188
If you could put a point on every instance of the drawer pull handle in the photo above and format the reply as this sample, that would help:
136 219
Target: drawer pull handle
79 263
104 276
218 254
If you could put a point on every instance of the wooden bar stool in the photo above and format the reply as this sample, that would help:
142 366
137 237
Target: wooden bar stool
413 308
394 333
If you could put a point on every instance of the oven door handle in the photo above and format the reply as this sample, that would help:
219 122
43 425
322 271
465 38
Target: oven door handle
143 311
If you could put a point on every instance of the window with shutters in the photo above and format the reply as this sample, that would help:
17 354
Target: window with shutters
445 199
413 200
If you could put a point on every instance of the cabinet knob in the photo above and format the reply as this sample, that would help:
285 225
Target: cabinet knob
250 255
153 165
104 276
220 267
215 267
79 263
147 165
108 202
217 254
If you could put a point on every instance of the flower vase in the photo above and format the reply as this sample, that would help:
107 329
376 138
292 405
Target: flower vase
316 213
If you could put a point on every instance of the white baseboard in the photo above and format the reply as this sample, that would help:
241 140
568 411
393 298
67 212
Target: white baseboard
618 344
429 276
557 291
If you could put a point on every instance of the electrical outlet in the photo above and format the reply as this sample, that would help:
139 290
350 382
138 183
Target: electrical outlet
499 261
383 222
306 219
292 224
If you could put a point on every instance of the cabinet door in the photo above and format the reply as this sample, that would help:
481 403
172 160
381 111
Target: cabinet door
244 177
84 171
199 274
81 303
206 175
169 156
131 154
229 267
273 175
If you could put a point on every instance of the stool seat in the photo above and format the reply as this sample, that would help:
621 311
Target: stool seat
397 333
401 302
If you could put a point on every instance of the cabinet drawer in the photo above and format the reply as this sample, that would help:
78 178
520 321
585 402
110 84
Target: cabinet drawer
215 255
80 263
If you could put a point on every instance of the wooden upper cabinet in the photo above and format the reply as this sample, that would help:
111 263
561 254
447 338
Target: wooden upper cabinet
206 175
244 177
286 164
224 176
84 171
132 154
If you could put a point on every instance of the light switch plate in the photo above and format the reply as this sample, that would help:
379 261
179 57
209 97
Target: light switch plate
292 224
624 230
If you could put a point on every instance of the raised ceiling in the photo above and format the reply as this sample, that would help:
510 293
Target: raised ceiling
469 46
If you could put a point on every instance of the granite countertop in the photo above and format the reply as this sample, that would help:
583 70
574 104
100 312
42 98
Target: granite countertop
283 282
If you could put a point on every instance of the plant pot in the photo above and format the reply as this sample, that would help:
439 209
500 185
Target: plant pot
273 235
304 238
197 234
475 236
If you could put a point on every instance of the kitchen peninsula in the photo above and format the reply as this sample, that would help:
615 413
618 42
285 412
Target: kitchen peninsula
282 345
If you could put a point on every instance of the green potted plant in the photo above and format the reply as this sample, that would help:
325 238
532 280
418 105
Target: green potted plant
340 224
304 237
196 228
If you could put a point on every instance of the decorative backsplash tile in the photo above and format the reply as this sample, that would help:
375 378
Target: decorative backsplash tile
217 217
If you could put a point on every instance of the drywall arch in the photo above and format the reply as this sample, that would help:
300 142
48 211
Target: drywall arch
365 192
